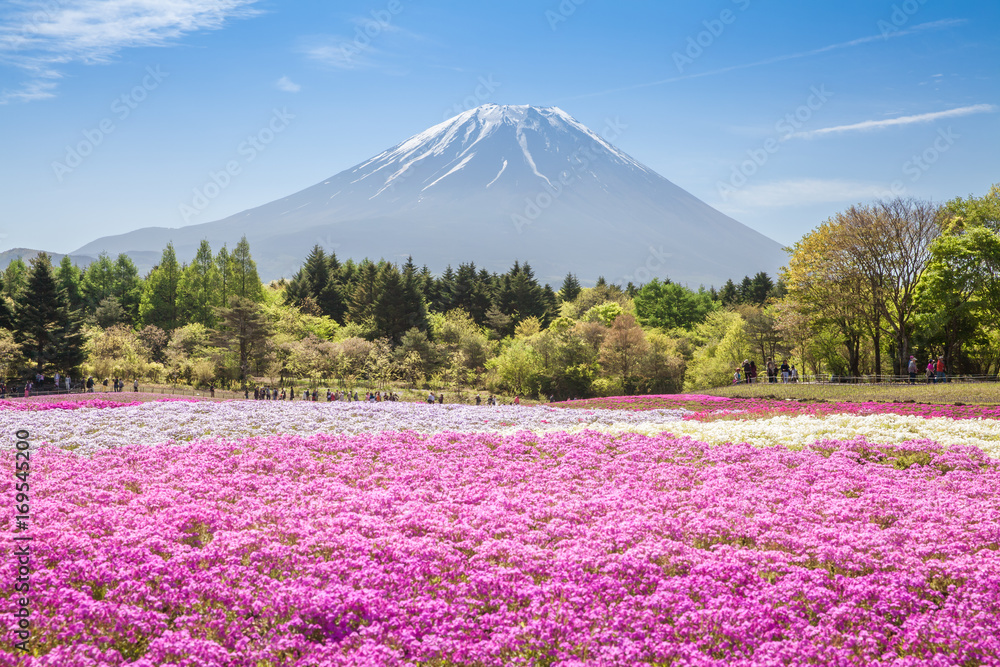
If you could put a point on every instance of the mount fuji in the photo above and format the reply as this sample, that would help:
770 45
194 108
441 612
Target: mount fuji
492 185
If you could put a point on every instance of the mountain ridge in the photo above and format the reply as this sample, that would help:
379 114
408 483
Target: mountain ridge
492 185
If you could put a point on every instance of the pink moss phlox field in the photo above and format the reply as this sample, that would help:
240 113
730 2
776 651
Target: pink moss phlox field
711 407
77 401
524 549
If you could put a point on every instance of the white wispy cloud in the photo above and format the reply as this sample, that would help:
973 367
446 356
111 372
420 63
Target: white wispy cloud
287 85
374 44
41 35
800 192
868 125
341 54
923 27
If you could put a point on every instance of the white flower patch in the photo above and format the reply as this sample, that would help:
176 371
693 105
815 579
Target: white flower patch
796 431
88 429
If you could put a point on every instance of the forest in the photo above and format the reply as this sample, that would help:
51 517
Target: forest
861 293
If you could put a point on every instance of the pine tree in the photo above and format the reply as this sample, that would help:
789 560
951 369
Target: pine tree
196 292
365 293
243 330
43 325
98 281
444 294
224 269
729 295
316 271
70 279
761 286
246 282
6 314
127 286
570 288
14 279
159 298
390 308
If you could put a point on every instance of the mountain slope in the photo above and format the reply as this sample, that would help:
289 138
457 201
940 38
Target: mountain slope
491 185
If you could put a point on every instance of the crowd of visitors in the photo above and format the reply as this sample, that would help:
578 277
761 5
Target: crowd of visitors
747 373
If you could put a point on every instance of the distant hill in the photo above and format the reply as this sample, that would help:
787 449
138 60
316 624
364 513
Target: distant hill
26 254
492 185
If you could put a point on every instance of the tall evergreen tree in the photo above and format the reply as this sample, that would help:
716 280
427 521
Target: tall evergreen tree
761 286
331 302
390 309
198 288
570 288
246 282
15 277
159 297
243 330
43 325
127 286
6 314
99 281
729 295
469 293
224 269
520 296
365 293
70 279
316 271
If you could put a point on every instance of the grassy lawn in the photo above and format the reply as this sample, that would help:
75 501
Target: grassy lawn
987 393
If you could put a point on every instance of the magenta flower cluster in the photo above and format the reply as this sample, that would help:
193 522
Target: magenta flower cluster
525 549
77 401
751 408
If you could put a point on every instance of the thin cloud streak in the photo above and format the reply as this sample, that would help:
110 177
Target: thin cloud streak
868 125
933 25
46 35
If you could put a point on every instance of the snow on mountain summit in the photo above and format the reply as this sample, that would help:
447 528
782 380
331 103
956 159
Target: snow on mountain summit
521 136
491 185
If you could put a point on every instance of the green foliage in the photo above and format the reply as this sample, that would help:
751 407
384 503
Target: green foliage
117 351
605 313
159 306
570 288
198 290
45 328
722 345
517 368
668 305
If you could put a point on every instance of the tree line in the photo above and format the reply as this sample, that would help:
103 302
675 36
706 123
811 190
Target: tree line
862 292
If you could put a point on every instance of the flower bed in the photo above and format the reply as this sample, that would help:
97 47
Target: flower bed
458 549
716 407
89 430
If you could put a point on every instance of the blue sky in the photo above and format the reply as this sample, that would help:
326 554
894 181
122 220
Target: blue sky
779 114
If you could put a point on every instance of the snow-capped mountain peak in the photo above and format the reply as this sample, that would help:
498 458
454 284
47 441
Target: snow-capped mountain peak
490 185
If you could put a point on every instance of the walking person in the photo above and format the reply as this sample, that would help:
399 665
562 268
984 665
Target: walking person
912 369
930 371
785 371
940 370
